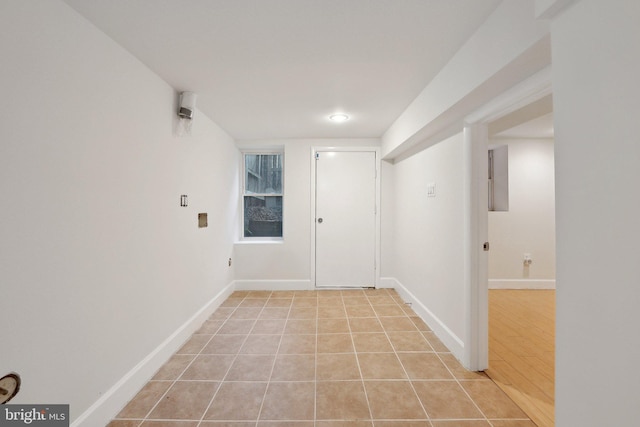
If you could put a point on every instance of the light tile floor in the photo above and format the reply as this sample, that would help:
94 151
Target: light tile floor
358 358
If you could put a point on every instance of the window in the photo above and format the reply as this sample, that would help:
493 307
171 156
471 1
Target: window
262 195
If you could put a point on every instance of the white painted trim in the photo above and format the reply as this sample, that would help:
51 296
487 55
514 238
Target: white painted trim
446 335
549 9
522 284
530 90
387 282
377 151
113 400
273 285
475 259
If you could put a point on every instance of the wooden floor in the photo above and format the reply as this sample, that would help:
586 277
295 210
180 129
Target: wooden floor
522 349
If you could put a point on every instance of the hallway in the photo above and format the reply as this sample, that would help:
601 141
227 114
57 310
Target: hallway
317 358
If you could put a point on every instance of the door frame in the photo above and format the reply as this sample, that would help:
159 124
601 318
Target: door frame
312 219
475 149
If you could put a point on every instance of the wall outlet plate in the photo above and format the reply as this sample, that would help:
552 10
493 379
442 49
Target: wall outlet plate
202 220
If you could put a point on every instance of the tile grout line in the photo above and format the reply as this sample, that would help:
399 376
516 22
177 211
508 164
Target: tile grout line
454 377
234 309
355 353
221 382
275 358
386 334
173 382
315 370
457 380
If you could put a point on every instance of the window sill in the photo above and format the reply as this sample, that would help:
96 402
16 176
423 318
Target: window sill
260 241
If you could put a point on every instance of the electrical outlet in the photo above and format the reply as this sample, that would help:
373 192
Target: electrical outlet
229 262
202 220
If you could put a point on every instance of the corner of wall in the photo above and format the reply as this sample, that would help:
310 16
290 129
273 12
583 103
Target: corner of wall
113 400
446 335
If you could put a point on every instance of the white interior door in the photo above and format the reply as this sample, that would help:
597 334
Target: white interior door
345 220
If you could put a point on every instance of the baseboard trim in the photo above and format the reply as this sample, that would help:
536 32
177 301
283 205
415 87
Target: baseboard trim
522 284
387 282
113 400
448 338
273 285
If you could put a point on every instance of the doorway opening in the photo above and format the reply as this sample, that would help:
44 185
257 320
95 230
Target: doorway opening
521 264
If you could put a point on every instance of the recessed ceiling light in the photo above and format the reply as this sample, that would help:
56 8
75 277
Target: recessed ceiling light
339 117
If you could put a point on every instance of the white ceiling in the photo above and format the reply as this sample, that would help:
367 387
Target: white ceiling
277 68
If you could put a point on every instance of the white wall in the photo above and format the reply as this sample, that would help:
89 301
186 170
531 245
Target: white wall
98 263
507 48
529 224
596 64
287 263
387 223
428 239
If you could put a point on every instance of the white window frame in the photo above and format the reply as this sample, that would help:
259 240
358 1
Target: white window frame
243 194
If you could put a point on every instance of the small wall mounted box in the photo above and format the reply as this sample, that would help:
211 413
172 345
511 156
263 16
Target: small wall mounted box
202 220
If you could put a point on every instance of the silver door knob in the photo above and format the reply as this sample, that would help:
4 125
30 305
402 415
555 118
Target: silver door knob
319 220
